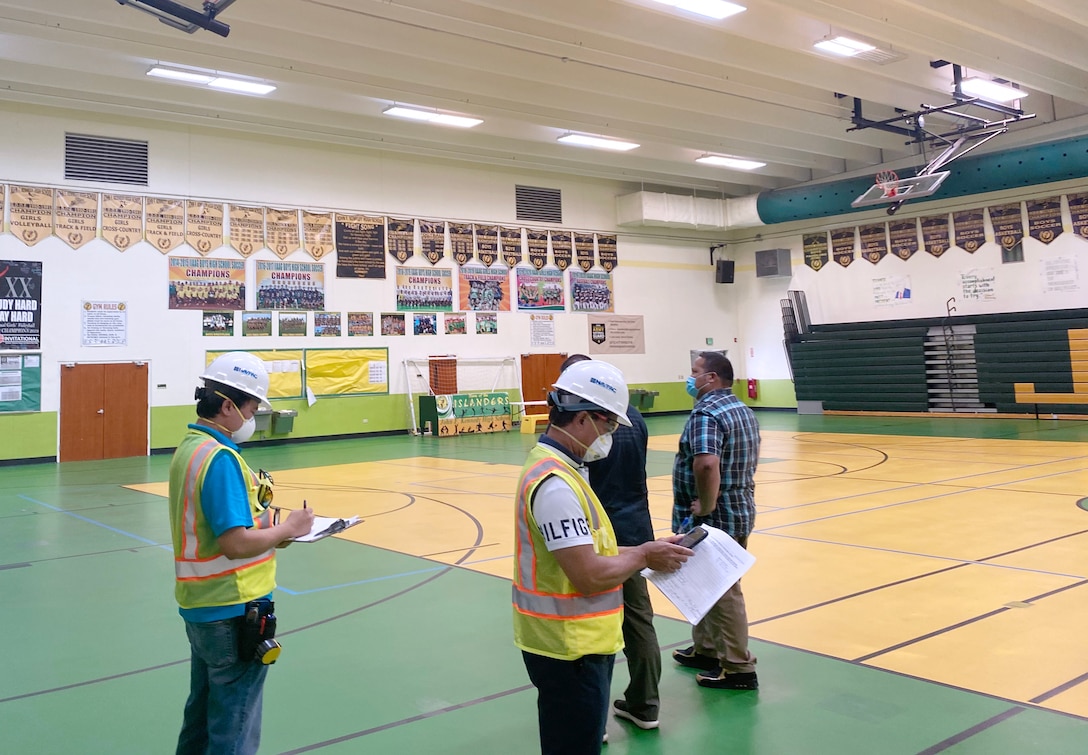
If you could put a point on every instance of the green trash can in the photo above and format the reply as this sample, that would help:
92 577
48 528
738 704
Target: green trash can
283 421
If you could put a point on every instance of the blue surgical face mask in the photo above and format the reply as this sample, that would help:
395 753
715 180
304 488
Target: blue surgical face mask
690 387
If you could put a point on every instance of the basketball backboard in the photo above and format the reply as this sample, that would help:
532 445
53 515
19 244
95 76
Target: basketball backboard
902 189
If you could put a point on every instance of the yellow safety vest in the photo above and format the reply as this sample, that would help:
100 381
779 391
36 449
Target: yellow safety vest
204 577
551 617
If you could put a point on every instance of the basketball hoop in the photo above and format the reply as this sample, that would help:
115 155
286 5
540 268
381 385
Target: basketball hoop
888 181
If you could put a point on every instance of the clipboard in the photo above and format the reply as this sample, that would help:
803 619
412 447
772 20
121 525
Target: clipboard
323 527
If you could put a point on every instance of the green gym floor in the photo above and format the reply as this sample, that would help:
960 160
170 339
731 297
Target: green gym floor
921 586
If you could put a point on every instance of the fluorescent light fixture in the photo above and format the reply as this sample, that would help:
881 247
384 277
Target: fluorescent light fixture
597 142
724 161
431 116
211 79
991 91
843 46
240 85
716 9
176 74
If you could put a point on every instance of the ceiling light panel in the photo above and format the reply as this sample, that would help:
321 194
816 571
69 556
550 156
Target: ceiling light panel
716 9
844 46
211 79
432 116
991 91
727 161
597 142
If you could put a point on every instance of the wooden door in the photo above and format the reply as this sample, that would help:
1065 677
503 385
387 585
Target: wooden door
124 432
538 372
103 411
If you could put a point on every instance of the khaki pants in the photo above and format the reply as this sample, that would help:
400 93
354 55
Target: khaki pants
723 632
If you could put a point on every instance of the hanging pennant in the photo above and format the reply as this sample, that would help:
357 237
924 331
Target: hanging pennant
538 248
935 234
842 245
165 225
970 231
903 235
400 236
511 246
76 217
561 249
461 243
246 229
1078 213
583 249
1045 218
874 241
31 213
204 226
122 220
487 244
815 249
432 239
281 232
1008 223
317 233
606 252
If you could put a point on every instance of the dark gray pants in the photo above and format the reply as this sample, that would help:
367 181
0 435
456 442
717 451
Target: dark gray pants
641 648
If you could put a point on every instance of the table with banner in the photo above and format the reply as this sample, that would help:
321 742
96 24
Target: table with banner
465 413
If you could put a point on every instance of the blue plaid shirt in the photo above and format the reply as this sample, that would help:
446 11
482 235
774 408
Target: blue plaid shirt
721 425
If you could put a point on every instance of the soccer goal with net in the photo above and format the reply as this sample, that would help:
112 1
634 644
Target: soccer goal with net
449 374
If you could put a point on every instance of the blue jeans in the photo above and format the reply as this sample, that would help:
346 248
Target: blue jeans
223 712
571 702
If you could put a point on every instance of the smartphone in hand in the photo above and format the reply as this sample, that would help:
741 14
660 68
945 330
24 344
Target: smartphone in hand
693 538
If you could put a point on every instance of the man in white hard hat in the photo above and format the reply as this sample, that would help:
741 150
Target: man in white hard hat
224 560
568 603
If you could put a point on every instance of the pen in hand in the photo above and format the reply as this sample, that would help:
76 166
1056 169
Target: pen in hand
303 504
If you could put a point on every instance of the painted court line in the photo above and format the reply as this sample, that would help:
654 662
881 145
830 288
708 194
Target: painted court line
92 521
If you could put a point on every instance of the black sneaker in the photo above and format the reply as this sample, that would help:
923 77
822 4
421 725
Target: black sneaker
718 679
620 710
688 657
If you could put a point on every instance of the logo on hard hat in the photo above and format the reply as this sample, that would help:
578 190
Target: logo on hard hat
604 385
246 372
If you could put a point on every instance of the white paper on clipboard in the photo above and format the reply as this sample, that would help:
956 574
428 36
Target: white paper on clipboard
718 564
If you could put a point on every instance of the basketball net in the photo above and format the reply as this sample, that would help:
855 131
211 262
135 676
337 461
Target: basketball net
888 180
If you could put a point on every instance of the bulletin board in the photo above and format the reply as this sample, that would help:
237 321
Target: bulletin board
20 383
347 372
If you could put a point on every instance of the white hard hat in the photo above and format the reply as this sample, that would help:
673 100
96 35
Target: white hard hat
599 384
242 371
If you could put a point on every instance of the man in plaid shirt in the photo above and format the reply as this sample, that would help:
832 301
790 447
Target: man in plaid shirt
713 484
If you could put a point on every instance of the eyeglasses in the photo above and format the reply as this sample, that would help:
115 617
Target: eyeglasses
611 423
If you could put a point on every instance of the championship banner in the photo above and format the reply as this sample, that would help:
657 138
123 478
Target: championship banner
317 235
1045 218
76 217
212 284
461 248
538 248
510 238
122 220
591 292
290 285
616 334
246 229
1078 213
281 231
842 245
400 236
484 290
1008 223
31 213
874 241
432 238
164 227
903 235
815 250
606 252
969 230
561 250
360 246
935 234
583 249
540 289
487 244
20 305
422 289
204 226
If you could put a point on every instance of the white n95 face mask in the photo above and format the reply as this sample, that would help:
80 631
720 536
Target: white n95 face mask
598 449
245 432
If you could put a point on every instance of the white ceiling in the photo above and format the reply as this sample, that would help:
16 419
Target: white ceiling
750 85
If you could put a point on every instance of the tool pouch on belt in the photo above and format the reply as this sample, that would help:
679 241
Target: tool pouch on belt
258 627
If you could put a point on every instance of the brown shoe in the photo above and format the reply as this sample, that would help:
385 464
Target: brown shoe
718 679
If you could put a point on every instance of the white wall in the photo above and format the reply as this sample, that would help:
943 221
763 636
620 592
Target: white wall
665 277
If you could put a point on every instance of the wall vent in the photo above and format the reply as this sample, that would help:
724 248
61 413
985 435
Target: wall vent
103 158
536 204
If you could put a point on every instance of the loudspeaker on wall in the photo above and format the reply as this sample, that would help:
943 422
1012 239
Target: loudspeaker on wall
723 272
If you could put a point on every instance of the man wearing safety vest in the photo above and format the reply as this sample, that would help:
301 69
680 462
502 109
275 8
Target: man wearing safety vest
224 560
568 571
